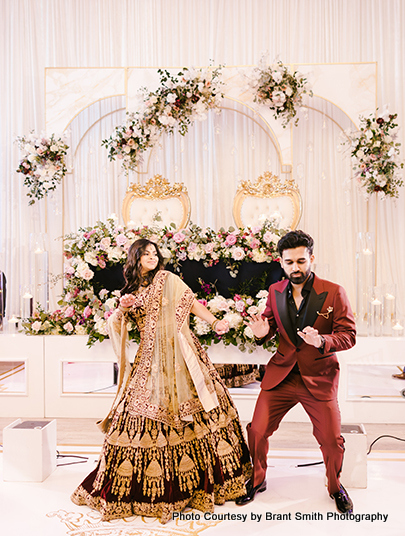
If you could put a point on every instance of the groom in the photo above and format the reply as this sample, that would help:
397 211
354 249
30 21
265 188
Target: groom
314 320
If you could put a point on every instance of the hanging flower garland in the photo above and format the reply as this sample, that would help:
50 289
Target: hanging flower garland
277 88
375 154
43 164
177 103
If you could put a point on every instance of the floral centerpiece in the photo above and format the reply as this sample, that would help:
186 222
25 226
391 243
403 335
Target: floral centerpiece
43 164
375 152
85 305
178 102
235 310
277 88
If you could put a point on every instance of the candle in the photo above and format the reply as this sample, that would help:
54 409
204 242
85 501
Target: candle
375 314
398 329
13 324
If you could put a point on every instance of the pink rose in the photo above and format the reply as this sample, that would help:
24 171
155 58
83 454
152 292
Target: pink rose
254 243
179 237
68 327
87 274
192 247
121 239
107 314
230 240
69 311
87 312
209 248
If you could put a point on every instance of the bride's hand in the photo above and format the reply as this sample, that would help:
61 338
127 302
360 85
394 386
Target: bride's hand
221 327
127 300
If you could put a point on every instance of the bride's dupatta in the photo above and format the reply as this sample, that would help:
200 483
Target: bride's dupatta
170 382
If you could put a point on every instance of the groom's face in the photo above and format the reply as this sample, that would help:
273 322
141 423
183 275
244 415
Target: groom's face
297 264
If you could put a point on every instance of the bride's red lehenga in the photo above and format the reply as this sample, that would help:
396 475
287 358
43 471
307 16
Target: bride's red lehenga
173 437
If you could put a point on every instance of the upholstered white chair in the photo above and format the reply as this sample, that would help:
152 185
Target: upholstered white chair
157 201
267 198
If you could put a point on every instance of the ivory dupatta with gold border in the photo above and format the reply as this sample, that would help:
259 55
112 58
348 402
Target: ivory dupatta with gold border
170 383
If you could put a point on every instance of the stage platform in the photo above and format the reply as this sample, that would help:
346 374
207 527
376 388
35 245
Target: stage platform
57 376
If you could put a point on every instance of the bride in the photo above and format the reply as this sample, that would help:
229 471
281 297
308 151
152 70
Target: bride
173 436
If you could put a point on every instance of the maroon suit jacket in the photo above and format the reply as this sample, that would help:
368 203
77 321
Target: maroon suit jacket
329 312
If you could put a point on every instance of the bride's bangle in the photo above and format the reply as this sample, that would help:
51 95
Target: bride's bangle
214 324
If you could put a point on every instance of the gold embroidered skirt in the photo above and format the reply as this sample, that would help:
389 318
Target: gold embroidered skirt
150 468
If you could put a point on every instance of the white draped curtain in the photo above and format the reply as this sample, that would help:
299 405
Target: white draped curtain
216 154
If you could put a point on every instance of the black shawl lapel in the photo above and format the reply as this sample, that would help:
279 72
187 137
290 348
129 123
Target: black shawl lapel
315 304
282 308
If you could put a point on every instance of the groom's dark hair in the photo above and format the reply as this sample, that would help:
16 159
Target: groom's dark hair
295 239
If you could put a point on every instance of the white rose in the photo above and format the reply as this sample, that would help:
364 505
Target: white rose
114 254
237 253
218 304
234 320
91 258
80 329
248 332
171 97
36 326
278 98
277 76
253 310
262 294
259 256
101 326
111 303
202 327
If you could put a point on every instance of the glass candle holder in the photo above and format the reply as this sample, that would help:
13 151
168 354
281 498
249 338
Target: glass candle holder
398 327
389 308
364 279
374 312
27 304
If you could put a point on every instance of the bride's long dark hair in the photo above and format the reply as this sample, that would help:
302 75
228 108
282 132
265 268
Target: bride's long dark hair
133 270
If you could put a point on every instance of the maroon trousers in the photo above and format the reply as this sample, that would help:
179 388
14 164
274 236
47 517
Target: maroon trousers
272 405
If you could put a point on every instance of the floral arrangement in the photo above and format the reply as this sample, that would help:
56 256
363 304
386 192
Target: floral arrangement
375 153
235 310
278 89
85 306
43 164
178 102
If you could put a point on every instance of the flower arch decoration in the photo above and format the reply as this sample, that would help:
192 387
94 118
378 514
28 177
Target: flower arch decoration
375 152
43 164
179 101
277 88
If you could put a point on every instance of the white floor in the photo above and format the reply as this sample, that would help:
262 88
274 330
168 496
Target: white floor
295 504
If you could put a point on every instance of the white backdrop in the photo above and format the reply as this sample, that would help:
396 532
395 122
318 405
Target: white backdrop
36 34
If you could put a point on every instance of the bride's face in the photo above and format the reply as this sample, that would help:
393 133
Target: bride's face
149 259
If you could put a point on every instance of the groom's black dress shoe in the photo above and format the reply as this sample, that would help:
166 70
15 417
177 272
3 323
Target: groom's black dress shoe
343 502
250 493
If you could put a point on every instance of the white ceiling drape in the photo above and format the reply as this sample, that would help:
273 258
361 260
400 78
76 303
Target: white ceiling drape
215 155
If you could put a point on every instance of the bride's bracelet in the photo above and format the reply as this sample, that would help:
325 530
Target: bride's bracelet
214 324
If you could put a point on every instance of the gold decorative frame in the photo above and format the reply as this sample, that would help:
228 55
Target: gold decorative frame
157 188
267 186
